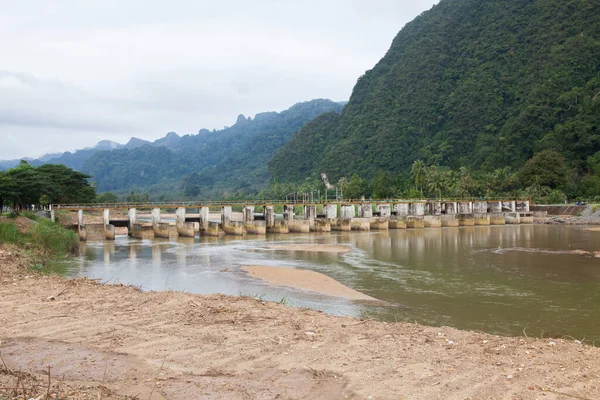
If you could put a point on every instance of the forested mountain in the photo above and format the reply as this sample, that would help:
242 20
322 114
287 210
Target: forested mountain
479 84
234 158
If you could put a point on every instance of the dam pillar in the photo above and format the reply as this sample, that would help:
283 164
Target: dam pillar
80 227
347 211
510 206
269 216
204 215
225 215
465 207
384 210
248 214
400 209
494 207
480 207
155 217
522 206
132 214
330 211
109 230
184 229
416 209
451 208
310 213
365 210
288 213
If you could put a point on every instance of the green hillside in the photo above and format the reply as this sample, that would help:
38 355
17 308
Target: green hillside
479 84
208 164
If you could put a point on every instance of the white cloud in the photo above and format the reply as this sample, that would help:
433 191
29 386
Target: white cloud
75 72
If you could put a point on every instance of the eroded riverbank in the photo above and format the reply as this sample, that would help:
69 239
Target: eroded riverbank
191 346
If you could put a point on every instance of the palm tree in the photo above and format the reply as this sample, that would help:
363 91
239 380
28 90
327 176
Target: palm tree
342 185
465 182
417 173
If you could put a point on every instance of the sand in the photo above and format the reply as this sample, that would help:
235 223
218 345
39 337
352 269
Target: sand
313 248
304 279
118 341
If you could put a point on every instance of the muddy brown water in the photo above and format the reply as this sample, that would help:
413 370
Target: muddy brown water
509 280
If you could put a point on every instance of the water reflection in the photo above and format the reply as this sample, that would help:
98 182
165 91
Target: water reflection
497 278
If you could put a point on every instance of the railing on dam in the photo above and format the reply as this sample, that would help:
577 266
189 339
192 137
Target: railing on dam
259 203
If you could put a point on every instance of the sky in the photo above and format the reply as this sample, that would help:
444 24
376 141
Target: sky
75 72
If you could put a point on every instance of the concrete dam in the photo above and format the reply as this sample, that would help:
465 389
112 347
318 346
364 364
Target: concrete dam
193 219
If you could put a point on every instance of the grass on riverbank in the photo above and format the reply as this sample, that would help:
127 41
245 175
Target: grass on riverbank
44 240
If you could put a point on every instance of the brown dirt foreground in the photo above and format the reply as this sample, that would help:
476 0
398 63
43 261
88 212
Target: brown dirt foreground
115 342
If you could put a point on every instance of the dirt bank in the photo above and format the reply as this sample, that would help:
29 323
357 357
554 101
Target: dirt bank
183 346
308 280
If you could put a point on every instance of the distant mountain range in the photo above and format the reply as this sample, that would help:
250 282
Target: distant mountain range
229 159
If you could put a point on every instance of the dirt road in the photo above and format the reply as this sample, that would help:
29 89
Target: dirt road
182 346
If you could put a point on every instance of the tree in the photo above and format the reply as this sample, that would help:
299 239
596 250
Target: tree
107 197
417 173
65 185
357 187
546 168
383 186
342 185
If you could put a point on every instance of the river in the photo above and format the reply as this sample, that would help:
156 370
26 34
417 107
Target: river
508 280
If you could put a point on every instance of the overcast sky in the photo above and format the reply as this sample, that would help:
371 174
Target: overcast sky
74 72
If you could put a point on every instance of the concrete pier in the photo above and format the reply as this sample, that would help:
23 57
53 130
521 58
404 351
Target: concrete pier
162 230
397 222
310 213
204 213
225 216
341 224
132 214
212 229
513 218
497 218
256 227
322 225
466 220
482 219
299 226
269 213
449 221
109 230
415 222
379 223
360 224
279 226
432 221
184 229
235 228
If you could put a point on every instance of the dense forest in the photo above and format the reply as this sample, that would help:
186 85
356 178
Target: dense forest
211 163
479 85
